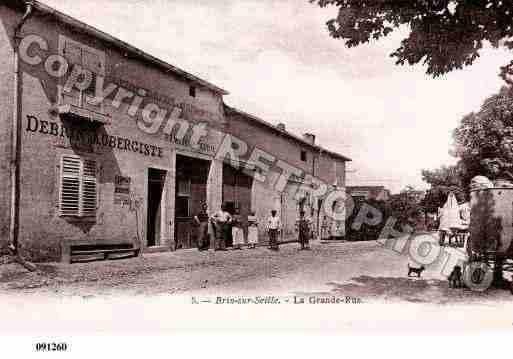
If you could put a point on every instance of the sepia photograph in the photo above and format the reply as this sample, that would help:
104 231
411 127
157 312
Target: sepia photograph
255 165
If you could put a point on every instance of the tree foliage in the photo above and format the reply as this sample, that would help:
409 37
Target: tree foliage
443 181
484 140
483 144
444 34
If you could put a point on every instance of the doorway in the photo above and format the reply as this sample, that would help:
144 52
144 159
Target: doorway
191 193
237 187
156 182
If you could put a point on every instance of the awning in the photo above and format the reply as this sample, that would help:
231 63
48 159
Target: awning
72 112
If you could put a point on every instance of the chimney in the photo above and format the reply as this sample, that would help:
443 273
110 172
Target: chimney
281 126
310 138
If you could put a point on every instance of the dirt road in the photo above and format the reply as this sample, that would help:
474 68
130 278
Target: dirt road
364 270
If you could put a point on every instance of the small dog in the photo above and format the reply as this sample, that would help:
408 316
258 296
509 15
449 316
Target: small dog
414 270
455 278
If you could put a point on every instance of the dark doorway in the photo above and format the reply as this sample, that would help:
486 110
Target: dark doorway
237 195
191 193
156 182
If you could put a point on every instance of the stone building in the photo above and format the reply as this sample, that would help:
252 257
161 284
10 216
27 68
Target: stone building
315 172
377 193
103 144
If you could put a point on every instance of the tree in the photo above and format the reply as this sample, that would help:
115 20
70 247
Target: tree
405 206
484 141
443 181
444 34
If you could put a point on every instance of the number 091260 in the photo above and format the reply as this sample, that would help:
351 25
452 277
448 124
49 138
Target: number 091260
51 347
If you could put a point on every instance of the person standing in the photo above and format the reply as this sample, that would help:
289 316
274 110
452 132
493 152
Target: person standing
237 231
221 221
273 227
303 229
252 230
325 232
201 220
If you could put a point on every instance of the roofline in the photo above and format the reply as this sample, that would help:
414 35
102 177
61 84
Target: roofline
69 20
286 133
367 187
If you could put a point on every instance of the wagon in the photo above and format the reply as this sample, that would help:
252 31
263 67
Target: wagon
491 228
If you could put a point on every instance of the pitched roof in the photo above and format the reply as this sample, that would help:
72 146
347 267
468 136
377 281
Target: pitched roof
137 53
285 133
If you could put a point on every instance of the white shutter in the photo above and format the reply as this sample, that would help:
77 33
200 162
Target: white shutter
88 194
78 196
70 186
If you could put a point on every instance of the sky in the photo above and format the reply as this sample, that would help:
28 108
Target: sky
276 59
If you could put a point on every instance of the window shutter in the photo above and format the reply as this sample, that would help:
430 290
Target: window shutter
89 188
70 186
92 62
73 53
78 187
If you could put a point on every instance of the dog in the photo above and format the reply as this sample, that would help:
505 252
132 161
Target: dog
455 277
414 270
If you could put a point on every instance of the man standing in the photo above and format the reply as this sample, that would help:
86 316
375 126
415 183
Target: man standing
201 220
273 227
303 229
221 221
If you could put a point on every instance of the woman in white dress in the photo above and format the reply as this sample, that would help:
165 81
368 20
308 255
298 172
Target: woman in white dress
237 231
325 229
252 230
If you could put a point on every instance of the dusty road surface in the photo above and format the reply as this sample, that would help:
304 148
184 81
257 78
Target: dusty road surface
363 270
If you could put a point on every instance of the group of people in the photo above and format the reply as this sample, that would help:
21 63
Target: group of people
221 225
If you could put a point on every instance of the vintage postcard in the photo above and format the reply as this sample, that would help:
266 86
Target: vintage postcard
289 165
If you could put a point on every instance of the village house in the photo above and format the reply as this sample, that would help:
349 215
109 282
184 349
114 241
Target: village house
105 147
364 193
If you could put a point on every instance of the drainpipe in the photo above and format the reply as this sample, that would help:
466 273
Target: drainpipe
16 143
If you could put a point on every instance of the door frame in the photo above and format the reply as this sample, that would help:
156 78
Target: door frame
164 228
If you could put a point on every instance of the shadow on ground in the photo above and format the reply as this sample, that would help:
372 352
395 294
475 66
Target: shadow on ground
409 289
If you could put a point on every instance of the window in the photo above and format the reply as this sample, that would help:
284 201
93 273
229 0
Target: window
192 91
184 188
89 59
182 207
77 195
303 156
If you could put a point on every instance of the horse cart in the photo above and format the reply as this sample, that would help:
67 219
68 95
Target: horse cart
490 244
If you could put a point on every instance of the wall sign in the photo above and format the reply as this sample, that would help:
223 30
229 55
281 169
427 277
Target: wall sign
121 189
80 137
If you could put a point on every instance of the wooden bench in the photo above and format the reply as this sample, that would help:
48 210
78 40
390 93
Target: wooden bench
86 251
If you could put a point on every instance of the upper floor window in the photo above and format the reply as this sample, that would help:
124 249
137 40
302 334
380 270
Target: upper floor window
192 91
303 156
92 61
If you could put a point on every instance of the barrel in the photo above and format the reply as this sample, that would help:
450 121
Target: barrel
491 220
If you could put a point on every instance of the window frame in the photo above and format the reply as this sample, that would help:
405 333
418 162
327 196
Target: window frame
303 156
90 92
193 91
82 178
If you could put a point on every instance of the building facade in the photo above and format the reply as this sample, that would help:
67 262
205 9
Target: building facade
101 142
376 193
297 174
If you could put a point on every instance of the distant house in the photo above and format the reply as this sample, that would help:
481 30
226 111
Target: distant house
377 193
